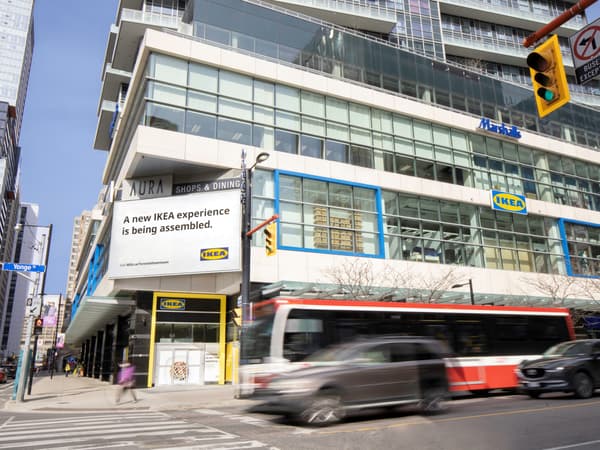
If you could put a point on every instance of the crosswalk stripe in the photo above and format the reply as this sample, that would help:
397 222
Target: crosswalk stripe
107 419
45 443
89 431
127 429
57 425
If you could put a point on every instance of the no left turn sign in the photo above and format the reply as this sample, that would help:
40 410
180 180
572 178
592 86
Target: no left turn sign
587 44
585 50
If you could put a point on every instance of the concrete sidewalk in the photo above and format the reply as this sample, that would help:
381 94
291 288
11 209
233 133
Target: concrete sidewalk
81 393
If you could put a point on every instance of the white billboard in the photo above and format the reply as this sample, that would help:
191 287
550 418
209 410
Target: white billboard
196 233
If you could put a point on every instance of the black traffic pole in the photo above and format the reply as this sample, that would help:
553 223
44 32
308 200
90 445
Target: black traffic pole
246 217
32 366
246 199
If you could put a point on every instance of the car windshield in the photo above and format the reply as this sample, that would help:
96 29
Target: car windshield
569 349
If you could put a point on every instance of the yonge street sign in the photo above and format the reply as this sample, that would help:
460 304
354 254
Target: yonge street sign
19 267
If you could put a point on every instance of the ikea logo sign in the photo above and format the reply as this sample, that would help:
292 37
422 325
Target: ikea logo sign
214 254
504 201
172 304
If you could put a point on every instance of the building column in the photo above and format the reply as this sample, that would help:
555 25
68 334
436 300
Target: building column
107 355
97 354
139 337
89 364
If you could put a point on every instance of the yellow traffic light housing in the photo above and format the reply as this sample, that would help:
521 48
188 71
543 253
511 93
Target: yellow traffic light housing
236 316
548 76
271 238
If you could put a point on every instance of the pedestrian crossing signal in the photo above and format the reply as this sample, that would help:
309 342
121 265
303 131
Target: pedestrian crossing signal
271 238
548 76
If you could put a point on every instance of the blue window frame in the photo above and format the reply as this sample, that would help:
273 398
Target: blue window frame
325 215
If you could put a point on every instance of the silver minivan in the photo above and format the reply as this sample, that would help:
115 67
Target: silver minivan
383 372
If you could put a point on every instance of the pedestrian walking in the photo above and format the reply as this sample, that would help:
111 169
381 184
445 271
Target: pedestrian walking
67 369
126 380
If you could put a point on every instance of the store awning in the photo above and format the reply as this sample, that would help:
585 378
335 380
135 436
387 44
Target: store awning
334 291
93 314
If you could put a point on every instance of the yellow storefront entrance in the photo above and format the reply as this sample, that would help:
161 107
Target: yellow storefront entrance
187 339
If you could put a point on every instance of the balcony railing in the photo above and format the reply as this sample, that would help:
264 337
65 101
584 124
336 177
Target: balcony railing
355 7
518 10
150 18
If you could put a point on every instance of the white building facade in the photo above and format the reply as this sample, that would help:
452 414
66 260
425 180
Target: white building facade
424 173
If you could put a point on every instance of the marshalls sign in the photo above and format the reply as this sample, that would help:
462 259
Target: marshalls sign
197 233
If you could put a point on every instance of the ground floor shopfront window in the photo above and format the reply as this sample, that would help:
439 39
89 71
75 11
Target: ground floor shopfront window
188 339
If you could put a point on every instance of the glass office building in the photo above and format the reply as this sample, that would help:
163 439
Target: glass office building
16 51
392 141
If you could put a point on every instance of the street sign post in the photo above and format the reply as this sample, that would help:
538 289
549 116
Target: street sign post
18 267
585 49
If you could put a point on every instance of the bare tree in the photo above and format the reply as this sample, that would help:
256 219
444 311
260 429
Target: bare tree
357 279
435 286
558 288
592 290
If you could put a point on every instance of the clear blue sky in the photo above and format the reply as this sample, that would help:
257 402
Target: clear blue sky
593 12
59 168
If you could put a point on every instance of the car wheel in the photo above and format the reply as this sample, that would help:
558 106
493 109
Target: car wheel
433 403
534 394
323 410
582 385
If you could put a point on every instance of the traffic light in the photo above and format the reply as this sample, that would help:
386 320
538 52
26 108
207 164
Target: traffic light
271 238
548 76
236 316
37 326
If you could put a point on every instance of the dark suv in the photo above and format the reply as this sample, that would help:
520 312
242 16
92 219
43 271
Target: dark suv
374 373
572 366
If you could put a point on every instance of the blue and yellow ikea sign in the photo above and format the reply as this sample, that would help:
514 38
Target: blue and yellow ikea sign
505 201
172 304
214 254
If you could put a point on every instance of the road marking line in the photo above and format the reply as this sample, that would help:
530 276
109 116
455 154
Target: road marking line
7 422
219 446
94 447
210 412
456 419
581 444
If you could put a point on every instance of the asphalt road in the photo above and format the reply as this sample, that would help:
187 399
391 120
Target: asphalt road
499 422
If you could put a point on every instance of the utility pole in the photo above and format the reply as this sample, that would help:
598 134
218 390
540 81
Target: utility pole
35 344
25 362
246 200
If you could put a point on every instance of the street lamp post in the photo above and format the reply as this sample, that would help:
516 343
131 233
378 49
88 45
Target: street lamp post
470 283
246 200
24 361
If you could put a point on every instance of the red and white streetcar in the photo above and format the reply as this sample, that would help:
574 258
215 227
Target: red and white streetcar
487 342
